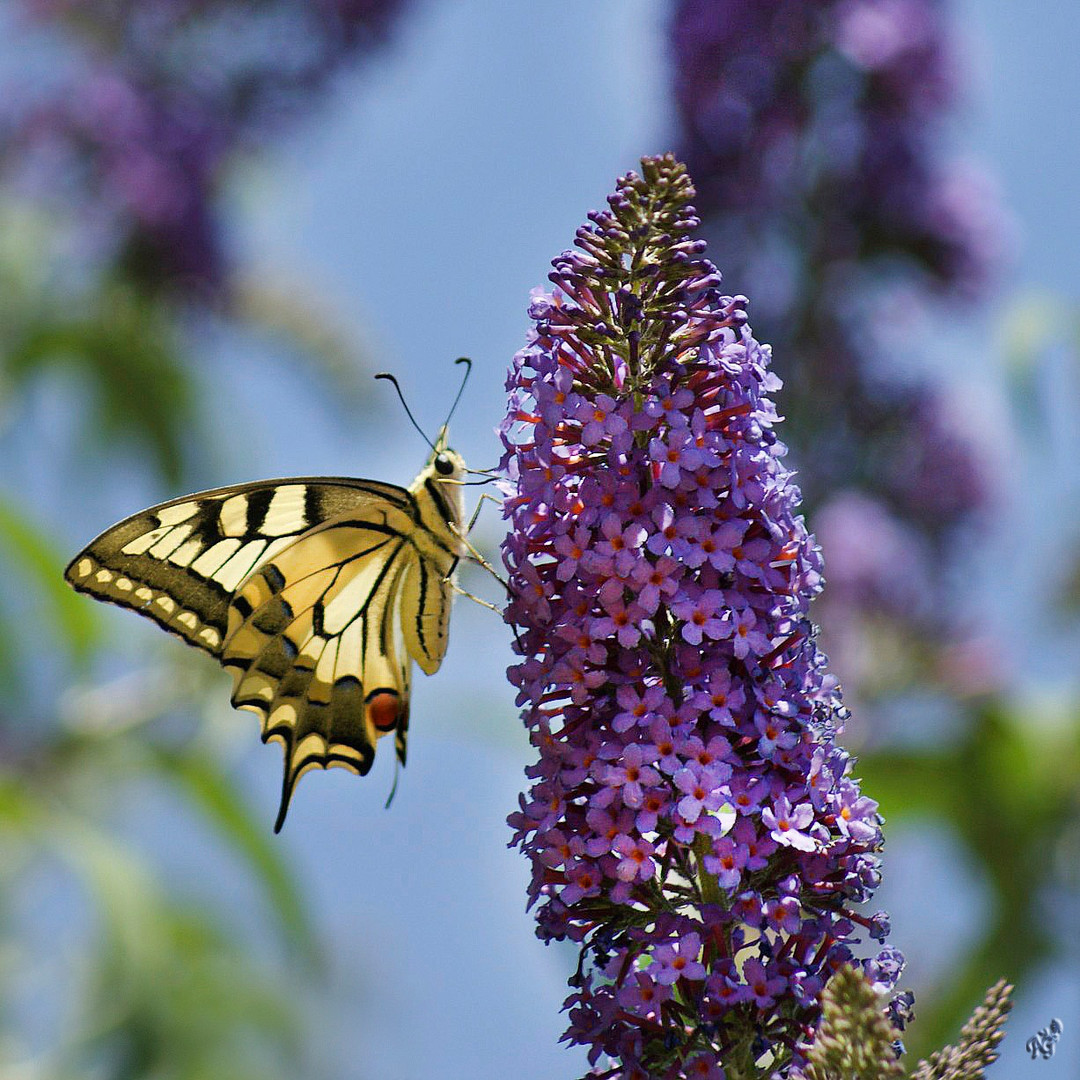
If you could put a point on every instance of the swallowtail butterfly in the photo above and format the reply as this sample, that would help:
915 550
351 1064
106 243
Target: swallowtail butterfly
315 593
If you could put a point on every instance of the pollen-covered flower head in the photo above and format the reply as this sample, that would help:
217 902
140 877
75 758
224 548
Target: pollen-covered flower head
691 823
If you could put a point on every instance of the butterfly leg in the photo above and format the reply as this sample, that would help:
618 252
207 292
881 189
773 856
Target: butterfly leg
479 558
463 535
481 561
476 599
479 503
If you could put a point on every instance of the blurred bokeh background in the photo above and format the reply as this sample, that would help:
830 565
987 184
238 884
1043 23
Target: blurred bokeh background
218 219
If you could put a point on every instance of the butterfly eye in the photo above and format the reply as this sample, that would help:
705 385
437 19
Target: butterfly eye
443 465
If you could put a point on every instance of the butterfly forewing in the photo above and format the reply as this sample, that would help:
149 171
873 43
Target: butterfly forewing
179 563
315 593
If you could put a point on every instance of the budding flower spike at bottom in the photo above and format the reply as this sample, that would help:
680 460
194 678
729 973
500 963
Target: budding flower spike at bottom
691 823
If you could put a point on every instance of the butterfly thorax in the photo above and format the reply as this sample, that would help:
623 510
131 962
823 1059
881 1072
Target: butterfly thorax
440 504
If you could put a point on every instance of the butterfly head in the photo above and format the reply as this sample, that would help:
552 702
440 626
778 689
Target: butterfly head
445 463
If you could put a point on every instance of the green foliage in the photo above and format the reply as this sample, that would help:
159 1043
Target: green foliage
172 993
26 550
854 1041
978 1041
168 991
171 985
120 342
191 1006
123 344
1040 343
1008 787
200 778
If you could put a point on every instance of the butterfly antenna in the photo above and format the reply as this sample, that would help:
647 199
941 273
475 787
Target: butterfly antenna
408 412
461 388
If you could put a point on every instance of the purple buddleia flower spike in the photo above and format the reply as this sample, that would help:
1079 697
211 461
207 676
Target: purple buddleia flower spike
692 825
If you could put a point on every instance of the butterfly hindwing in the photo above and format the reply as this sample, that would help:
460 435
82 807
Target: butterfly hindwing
319 655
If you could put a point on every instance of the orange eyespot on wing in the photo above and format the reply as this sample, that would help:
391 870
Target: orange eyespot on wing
384 710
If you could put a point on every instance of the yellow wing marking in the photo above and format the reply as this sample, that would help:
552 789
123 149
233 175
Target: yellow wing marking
234 515
286 506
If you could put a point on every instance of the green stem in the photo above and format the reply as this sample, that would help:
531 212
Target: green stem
710 887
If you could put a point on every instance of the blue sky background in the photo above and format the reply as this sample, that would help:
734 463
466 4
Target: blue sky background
417 208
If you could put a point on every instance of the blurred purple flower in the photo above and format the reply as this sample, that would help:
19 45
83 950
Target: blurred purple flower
874 562
156 97
692 824
934 476
815 130
825 115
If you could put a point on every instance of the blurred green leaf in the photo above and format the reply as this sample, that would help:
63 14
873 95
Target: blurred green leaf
123 339
1011 789
202 780
11 674
170 994
1031 323
1065 600
166 989
16 805
127 344
33 553
1033 328
112 738
86 763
